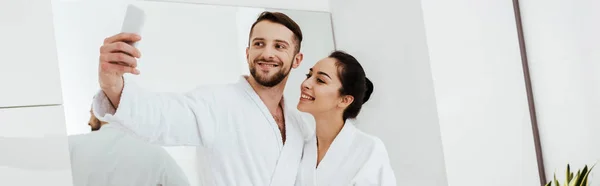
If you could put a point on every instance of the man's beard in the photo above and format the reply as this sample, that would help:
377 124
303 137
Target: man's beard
269 81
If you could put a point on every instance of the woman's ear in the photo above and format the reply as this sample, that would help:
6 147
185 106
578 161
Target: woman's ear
346 101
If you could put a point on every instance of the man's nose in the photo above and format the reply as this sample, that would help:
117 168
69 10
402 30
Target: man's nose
268 53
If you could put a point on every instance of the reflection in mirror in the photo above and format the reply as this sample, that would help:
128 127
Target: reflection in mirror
102 152
41 154
183 46
110 155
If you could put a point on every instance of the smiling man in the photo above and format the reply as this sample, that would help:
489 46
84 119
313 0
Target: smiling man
250 137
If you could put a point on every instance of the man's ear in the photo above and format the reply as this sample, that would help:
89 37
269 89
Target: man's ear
247 48
346 101
298 59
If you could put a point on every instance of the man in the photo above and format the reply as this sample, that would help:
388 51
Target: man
247 134
110 156
94 122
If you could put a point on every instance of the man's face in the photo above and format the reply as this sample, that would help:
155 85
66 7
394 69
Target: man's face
271 53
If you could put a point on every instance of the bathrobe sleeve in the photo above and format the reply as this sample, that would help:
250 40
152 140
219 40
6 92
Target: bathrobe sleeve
378 170
162 118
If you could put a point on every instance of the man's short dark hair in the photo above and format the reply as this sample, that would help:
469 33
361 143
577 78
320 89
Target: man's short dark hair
281 18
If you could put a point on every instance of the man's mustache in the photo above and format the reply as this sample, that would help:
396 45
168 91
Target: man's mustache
266 61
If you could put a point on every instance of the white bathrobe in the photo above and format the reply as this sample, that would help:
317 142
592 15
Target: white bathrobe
239 140
111 156
354 158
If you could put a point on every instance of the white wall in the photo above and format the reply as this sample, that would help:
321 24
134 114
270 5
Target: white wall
388 38
563 45
480 91
33 143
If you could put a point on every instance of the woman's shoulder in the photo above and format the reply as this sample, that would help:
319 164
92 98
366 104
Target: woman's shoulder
375 143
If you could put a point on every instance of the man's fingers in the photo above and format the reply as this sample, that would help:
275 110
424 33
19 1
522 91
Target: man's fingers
119 67
116 55
120 47
123 37
119 58
126 69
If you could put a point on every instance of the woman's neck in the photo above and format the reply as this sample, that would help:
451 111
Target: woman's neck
327 128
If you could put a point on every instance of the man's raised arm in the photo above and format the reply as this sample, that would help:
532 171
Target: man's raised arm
162 118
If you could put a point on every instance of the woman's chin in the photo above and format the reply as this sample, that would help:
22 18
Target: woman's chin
302 108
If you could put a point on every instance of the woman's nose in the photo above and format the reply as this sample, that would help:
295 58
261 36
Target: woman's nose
305 85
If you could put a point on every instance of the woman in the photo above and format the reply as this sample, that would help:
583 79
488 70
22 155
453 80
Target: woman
338 153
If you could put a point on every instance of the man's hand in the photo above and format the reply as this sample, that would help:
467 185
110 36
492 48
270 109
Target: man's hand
117 57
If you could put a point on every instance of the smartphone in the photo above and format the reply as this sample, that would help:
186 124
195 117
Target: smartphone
134 21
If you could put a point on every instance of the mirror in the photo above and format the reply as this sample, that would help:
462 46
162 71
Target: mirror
184 45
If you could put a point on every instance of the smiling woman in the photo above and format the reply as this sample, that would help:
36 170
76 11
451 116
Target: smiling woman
333 93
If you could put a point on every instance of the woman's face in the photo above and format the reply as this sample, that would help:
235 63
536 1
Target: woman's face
320 90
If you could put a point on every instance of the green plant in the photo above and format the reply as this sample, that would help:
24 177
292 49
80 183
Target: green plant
579 179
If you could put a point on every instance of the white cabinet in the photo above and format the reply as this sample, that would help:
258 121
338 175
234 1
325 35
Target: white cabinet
29 72
34 147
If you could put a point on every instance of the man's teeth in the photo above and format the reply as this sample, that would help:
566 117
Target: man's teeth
270 65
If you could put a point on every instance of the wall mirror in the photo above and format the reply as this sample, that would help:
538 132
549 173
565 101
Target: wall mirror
184 45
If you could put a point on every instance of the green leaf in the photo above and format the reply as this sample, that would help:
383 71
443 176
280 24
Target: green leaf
569 175
585 179
584 172
574 181
578 179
